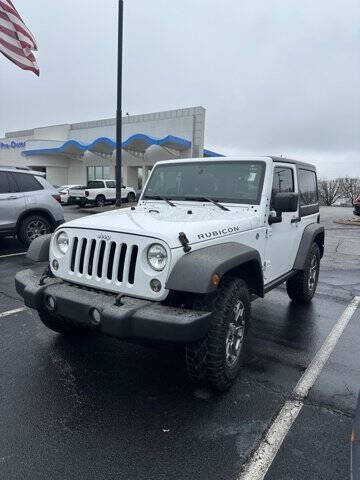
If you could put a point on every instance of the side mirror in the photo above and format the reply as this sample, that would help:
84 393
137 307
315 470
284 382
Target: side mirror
283 202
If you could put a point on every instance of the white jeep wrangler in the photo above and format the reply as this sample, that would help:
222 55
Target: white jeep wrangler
207 238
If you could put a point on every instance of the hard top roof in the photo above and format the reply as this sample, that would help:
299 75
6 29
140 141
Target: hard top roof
241 158
309 166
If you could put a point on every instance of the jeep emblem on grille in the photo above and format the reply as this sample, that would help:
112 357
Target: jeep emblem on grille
103 236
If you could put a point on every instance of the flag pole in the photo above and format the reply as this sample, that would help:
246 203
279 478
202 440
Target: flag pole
118 173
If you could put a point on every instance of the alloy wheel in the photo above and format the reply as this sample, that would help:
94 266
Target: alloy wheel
235 335
313 273
35 229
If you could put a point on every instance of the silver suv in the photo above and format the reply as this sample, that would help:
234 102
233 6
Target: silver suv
29 205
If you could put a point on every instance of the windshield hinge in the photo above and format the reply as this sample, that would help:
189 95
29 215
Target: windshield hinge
184 242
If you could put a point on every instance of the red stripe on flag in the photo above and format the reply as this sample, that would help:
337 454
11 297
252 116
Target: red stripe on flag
16 41
10 10
17 50
21 65
9 33
19 29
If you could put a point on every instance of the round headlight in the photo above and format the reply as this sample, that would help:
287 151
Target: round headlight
62 242
157 257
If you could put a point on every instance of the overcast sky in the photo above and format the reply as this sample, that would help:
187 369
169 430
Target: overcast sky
276 76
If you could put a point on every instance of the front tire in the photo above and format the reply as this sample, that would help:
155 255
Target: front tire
32 227
131 197
301 287
60 324
219 356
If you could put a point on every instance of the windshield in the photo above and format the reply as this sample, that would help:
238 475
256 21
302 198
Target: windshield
223 181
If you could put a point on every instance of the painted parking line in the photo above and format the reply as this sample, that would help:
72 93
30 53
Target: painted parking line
13 255
12 312
261 460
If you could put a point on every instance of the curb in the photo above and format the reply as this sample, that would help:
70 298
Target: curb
107 208
348 221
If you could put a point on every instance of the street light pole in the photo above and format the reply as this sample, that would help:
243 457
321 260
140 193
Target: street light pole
118 173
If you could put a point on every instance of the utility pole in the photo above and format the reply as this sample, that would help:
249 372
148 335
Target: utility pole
118 174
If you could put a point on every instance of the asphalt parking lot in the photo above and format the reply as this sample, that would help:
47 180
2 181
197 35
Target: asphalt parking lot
101 409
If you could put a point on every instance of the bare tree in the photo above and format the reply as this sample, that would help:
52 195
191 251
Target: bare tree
350 188
329 191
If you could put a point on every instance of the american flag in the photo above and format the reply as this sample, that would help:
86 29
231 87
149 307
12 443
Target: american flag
16 41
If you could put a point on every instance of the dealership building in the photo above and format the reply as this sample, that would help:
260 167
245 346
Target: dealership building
76 153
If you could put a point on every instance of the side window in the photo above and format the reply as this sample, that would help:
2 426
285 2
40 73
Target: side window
4 183
12 182
111 184
27 182
307 188
283 180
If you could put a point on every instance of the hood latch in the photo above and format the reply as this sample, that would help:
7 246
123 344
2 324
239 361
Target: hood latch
184 242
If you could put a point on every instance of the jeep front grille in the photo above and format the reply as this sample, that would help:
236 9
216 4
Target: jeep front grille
103 259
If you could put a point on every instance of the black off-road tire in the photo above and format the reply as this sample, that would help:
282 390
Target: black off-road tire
60 324
39 222
207 359
100 201
301 287
81 203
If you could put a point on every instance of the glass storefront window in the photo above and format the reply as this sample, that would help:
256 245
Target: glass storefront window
98 173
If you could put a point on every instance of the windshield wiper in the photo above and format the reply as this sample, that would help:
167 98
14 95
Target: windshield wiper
208 199
160 197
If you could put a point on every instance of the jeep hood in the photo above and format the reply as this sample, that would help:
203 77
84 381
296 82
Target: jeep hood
199 222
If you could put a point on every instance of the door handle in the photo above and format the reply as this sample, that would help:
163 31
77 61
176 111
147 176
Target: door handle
296 220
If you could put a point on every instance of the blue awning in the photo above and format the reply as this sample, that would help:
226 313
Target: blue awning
138 143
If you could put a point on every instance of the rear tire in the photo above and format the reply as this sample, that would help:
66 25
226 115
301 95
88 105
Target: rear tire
100 201
219 356
60 324
32 227
301 287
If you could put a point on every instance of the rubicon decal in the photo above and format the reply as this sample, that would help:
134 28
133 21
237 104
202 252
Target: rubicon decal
219 233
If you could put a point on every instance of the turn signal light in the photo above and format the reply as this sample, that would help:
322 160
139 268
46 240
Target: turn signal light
353 436
215 279
87 193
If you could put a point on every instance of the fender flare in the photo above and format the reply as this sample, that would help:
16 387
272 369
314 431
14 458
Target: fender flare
38 250
194 271
312 233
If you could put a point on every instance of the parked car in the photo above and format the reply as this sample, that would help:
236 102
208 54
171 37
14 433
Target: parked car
342 202
64 193
183 267
100 192
357 206
29 205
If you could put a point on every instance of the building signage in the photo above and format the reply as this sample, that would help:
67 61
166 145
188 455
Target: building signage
12 145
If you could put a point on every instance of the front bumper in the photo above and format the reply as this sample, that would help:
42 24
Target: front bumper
133 319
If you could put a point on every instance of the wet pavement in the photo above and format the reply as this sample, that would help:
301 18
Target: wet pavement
97 408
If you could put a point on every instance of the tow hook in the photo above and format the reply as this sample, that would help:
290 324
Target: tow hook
184 242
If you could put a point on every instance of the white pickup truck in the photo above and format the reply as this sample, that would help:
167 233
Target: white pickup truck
99 192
